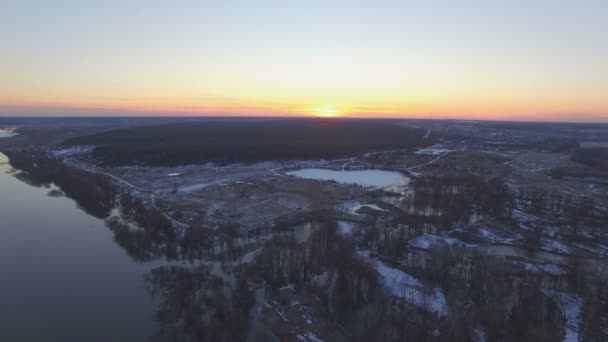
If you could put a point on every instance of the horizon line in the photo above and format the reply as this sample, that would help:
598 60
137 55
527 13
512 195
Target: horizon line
290 116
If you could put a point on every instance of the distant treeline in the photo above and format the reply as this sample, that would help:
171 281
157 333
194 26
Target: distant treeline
92 192
227 141
596 157
546 144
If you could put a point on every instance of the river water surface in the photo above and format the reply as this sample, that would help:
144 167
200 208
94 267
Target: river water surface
62 276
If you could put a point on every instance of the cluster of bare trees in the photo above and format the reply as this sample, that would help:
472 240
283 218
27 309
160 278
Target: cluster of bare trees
196 305
94 193
454 199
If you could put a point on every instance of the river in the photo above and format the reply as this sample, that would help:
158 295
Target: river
63 276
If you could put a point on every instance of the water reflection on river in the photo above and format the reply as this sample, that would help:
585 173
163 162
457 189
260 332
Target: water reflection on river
69 276
63 277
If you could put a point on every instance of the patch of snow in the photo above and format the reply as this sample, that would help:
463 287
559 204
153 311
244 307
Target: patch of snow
600 249
434 150
174 174
307 336
551 231
354 209
478 335
428 241
7 134
523 218
490 236
249 257
192 188
428 133
73 150
285 288
282 315
551 245
404 286
571 306
553 269
345 229
347 206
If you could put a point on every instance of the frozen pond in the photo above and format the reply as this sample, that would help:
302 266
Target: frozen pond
375 178
5 134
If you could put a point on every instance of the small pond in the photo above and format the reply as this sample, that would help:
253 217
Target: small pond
5 134
374 178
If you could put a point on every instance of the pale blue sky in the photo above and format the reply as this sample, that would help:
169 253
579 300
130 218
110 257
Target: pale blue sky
366 56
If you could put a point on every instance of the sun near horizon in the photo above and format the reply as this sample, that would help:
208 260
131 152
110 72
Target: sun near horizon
326 111
491 60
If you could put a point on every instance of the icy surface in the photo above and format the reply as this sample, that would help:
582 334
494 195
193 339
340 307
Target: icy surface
5 134
373 178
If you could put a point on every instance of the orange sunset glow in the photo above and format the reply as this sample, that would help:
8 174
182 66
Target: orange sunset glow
485 61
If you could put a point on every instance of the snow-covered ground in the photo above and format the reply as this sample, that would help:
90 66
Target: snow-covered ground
307 336
524 218
429 241
478 335
598 248
571 306
192 187
553 269
352 206
5 134
73 150
354 209
434 150
489 235
404 286
554 246
480 236
345 229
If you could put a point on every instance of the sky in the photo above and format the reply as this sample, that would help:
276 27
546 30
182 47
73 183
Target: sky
494 60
